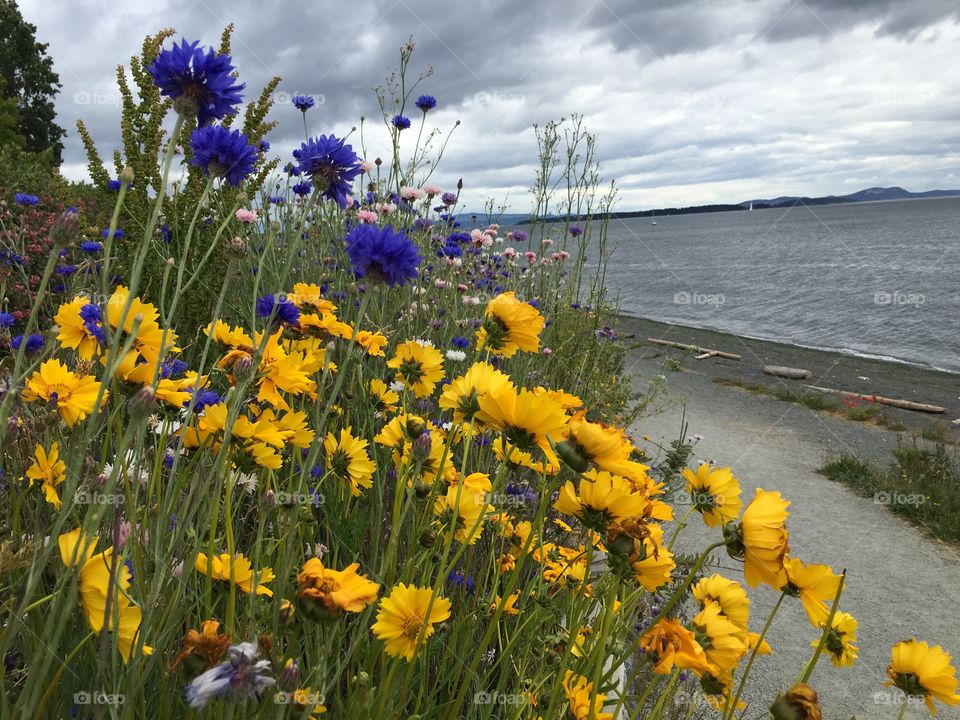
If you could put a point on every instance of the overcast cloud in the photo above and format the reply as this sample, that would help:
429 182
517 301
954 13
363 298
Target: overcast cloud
693 102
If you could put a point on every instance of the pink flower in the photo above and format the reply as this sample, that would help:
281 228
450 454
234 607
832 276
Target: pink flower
476 236
350 201
530 256
387 208
547 351
432 190
366 166
563 255
461 287
547 242
367 216
509 252
411 193
440 283
246 216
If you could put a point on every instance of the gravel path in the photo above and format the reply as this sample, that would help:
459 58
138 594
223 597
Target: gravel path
900 583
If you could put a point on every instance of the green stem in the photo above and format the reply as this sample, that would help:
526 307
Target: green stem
731 705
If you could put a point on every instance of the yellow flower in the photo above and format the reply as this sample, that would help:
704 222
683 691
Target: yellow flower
525 421
583 705
729 595
462 395
815 585
564 566
308 295
49 469
721 639
308 703
600 499
384 399
373 343
406 618
348 461
653 563
280 371
761 539
149 338
923 671
209 644
74 395
222 567
335 591
462 510
509 605
400 430
94 580
840 639
259 438
73 329
419 367
715 494
510 325
606 447
672 644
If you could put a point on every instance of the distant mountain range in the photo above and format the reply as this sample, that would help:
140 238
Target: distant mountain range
869 195
874 194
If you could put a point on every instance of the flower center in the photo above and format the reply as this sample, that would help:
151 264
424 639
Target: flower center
412 626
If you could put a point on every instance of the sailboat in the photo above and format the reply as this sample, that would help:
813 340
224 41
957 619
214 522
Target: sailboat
652 215
751 206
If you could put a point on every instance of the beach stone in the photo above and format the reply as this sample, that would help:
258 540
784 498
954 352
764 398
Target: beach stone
787 372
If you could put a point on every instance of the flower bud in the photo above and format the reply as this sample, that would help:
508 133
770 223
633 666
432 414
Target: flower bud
427 539
236 248
422 446
799 703
66 229
141 403
126 175
242 368
571 456
289 678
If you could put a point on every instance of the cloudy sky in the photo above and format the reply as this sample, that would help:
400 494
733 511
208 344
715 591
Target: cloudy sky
693 102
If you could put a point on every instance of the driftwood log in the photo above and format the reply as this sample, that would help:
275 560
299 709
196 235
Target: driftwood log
787 372
704 352
892 402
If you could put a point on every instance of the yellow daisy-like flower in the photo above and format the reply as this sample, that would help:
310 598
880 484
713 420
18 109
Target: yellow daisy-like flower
462 394
309 295
149 339
78 551
73 331
510 325
606 447
601 498
729 595
583 705
406 617
920 670
372 342
840 639
671 644
220 568
509 605
419 367
761 539
565 567
719 637
653 563
335 591
400 430
348 461
74 395
815 585
384 399
50 470
715 494
462 510
525 421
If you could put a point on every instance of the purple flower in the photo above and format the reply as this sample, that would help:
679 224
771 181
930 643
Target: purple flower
6 320
25 200
243 676
426 102
118 233
224 153
34 343
400 122
302 188
575 230
448 198
198 80
280 308
302 102
91 246
331 165
382 254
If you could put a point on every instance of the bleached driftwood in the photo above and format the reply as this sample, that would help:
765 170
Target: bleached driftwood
705 352
892 402
787 372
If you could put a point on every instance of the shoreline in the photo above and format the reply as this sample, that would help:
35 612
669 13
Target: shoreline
841 371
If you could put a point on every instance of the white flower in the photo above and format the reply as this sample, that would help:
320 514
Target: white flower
134 467
397 386
458 355
423 343
248 481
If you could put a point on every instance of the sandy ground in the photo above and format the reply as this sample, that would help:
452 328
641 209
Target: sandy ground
900 582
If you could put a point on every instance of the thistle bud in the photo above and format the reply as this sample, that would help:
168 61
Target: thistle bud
126 175
242 368
422 446
141 403
378 162
459 184
66 229
427 539
289 678
236 248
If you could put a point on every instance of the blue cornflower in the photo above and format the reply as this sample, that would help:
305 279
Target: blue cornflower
198 80
575 230
204 398
277 200
422 223
114 185
382 254
520 236
34 343
10 258
66 269
264 146
92 318
460 342
282 310
91 246
6 320
448 198
302 188
173 368
118 233
400 122
331 165
222 152
166 234
25 200
302 102
426 102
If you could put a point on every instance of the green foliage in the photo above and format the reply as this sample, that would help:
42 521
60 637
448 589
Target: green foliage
28 79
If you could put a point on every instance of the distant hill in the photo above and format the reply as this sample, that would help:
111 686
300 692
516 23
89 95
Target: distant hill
869 195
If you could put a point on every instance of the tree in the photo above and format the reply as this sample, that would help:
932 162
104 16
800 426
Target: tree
28 79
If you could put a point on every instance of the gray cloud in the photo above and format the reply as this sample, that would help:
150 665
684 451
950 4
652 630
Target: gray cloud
693 100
